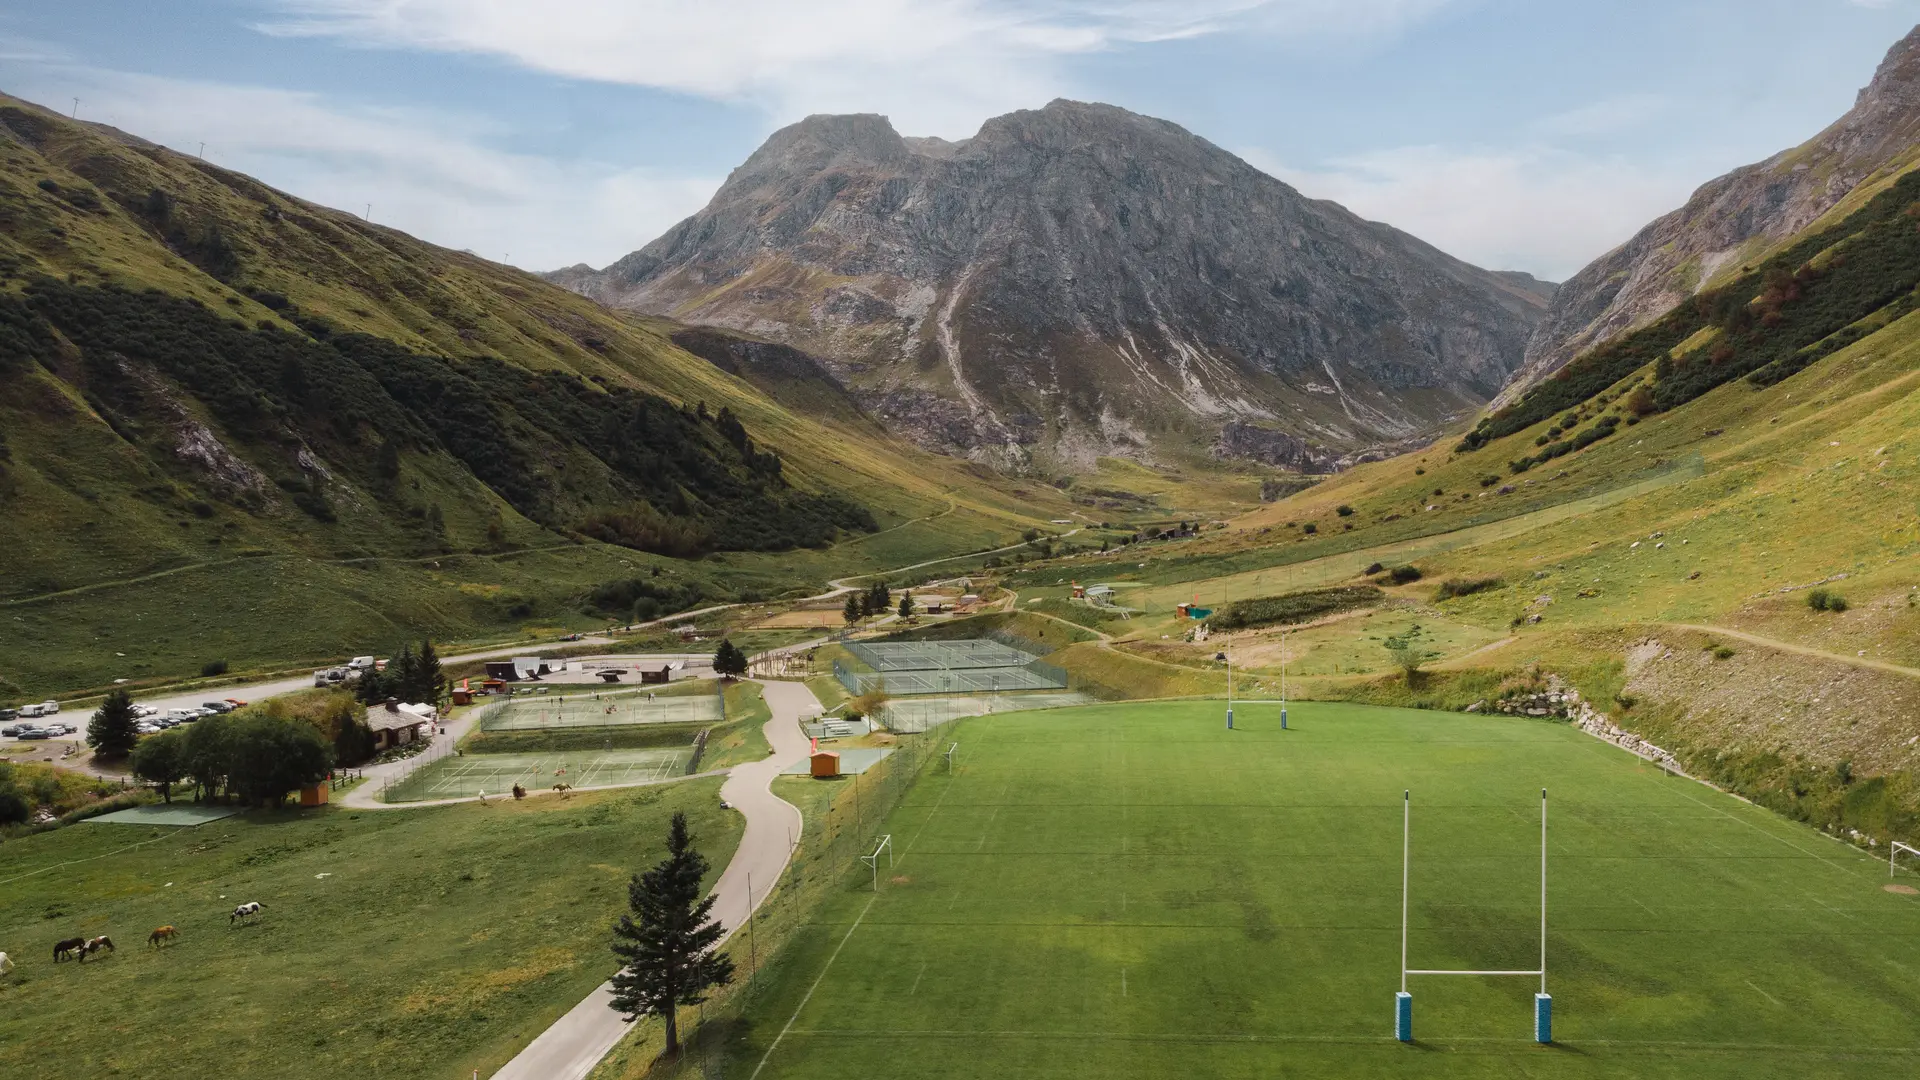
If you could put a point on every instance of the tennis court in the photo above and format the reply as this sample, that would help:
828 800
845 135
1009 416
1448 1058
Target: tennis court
495 774
921 713
969 666
589 709
892 656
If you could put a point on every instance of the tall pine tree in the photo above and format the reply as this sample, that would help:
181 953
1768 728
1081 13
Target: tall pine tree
111 732
855 609
430 683
667 945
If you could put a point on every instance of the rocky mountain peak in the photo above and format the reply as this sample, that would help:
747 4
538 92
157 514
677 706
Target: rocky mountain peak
1080 281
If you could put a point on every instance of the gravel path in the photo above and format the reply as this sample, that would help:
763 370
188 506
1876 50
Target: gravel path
577 1041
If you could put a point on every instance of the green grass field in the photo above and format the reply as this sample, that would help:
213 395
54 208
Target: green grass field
1131 890
394 944
495 774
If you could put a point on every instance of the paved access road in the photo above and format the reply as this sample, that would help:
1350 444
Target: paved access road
577 1041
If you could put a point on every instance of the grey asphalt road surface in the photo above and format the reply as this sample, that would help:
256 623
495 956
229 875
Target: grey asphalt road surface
578 1040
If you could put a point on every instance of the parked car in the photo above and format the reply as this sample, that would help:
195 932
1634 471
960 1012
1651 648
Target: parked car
34 733
7 715
145 728
14 729
236 703
214 707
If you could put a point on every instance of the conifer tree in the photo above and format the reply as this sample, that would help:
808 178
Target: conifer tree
854 610
111 732
667 944
429 682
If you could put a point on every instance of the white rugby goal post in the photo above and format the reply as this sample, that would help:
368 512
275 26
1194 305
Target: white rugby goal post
1403 1001
1893 856
882 846
952 751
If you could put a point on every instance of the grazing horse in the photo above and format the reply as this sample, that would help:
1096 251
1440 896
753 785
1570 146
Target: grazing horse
563 789
165 933
6 963
246 910
94 945
71 945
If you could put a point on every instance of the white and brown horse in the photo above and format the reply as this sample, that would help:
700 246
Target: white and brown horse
94 945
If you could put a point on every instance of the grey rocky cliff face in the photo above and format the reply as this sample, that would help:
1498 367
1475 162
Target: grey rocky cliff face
1731 219
1080 281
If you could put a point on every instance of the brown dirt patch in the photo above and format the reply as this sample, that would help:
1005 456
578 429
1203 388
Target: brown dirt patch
1903 890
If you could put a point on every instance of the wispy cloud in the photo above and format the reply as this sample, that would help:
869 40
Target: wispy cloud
432 173
1540 209
936 66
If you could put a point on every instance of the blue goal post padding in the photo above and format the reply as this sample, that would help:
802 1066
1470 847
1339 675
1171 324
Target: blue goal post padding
1542 1018
1403 1016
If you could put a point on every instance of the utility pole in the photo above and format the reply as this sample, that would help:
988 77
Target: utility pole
202 155
75 115
368 216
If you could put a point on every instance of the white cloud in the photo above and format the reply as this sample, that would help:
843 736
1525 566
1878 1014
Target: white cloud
429 173
1538 209
936 66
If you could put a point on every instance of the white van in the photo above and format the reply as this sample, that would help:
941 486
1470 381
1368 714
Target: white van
48 708
30 711
361 663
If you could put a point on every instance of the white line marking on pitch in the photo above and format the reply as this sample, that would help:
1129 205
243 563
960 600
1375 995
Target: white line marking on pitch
916 979
816 985
1763 993
1123 982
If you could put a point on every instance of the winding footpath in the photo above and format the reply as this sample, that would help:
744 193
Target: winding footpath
576 1042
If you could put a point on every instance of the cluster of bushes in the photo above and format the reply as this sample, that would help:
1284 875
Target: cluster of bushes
1453 587
254 755
1290 608
645 599
1399 575
1606 426
1823 600
672 479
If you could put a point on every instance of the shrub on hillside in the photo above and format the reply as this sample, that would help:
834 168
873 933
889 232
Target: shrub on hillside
1823 600
1373 568
1291 608
1404 575
1453 587
1309 528
213 668
1343 510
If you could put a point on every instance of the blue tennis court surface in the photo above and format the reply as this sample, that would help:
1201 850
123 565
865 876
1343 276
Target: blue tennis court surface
168 814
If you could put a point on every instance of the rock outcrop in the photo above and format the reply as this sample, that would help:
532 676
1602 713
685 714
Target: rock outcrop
1731 220
1080 281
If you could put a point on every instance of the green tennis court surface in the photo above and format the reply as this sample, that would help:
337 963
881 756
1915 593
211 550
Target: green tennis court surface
920 713
167 814
495 774
1134 891
588 709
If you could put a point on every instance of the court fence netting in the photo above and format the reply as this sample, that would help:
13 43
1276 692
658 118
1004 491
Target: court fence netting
585 708
969 666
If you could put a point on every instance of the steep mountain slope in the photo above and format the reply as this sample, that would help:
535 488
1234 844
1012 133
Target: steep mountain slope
273 431
1080 281
1734 219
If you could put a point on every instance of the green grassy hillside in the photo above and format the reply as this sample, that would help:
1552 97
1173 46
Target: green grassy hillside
235 425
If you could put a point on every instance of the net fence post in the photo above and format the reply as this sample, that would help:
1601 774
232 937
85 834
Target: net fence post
1403 1001
1542 1003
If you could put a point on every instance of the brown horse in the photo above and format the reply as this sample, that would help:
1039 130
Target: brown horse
165 933
94 945
564 790
71 945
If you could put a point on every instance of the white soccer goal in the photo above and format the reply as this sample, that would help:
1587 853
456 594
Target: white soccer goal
882 846
1893 856
952 752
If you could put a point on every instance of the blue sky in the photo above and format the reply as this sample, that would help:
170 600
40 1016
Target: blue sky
1517 134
